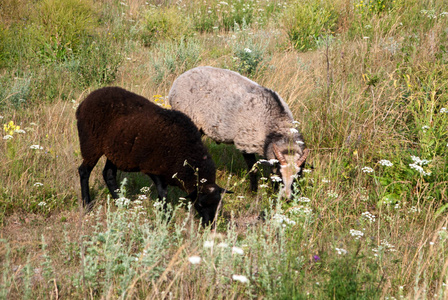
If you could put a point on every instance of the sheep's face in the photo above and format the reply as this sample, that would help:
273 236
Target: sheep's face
289 171
291 164
207 202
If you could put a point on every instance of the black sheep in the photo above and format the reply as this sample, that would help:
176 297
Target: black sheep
136 135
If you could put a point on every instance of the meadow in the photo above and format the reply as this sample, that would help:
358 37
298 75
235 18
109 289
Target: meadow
366 80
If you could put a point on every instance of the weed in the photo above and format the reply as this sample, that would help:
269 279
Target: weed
367 218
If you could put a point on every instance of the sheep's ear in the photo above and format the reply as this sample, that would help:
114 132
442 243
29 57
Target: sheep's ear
213 189
221 190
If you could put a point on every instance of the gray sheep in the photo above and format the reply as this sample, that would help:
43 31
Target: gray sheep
230 108
136 135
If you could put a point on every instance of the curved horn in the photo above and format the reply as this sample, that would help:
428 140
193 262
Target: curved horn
281 158
303 157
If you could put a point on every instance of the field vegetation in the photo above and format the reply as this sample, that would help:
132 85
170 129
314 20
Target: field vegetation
366 79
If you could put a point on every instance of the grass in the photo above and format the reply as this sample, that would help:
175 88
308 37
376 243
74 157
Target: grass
365 79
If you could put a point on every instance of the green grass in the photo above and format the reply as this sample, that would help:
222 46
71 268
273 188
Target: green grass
367 80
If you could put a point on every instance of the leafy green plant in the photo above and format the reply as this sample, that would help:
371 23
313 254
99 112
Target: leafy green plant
169 58
15 92
348 282
97 62
164 23
305 21
63 23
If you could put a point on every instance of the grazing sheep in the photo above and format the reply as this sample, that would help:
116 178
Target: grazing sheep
230 108
136 135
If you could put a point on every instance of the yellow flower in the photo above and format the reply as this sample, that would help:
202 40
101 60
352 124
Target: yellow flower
10 127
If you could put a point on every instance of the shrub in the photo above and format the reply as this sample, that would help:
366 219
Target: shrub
164 23
174 58
63 23
305 21
97 61
15 91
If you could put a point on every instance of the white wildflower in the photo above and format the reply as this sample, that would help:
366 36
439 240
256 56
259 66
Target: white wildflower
387 246
418 161
367 169
19 131
36 147
144 189
276 178
386 163
247 50
203 180
240 278
223 245
341 251
7 137
194 259
283 220
384 247
368 216
208 244
356 233
122 201
303 199
293 130
307 170
43 203
237 250
443 110
158 204
142 198
325 180
332 194
419 169
425 128
299 210
38 184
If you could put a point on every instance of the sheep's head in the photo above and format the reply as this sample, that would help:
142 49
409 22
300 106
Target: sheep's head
291 160
206 201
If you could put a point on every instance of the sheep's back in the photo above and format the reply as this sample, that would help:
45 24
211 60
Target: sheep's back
228 107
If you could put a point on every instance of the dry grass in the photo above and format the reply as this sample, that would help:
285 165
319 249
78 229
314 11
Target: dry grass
363 97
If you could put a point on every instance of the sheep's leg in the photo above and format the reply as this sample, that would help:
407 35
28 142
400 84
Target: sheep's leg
161 187
110 177
162 190
250 161
84 171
